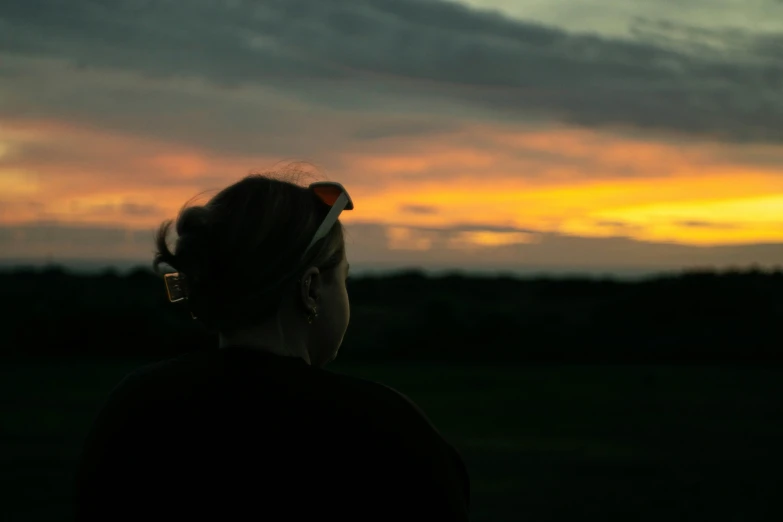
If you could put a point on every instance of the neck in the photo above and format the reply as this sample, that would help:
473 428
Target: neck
267 338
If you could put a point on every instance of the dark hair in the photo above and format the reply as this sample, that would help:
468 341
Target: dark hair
239 251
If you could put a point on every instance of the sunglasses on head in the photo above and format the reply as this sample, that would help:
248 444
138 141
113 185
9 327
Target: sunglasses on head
331 193
334 195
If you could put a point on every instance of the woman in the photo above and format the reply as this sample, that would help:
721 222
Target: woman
257 428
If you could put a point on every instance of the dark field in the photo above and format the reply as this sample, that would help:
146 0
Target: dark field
541 443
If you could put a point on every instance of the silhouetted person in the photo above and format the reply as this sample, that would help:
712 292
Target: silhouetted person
256 428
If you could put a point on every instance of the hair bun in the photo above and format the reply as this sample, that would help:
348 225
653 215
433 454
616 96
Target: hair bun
195 221
192 251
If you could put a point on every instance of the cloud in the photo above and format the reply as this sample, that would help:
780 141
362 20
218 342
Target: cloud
418 209
388 127
613 224
711 43
136 209
373 245
62 240
407 56
125 209
483 174
458 228
704 224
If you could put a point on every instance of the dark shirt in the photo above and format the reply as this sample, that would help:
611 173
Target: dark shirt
237 433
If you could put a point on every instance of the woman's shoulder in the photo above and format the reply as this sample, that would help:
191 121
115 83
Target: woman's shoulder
160 379
385 406
404 432
365 390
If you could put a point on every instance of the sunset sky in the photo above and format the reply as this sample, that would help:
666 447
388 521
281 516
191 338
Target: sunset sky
489 134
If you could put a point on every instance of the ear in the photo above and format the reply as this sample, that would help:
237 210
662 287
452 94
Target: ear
310 287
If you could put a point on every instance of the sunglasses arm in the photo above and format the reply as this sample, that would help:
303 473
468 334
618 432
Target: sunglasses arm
330 220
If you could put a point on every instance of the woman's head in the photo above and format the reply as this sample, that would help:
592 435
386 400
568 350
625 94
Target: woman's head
241 257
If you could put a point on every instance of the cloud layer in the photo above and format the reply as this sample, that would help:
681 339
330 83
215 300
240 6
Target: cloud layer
375 246
360 55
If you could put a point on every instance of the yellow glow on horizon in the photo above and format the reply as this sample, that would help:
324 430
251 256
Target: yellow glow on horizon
652 209
17 182
571 181
740 220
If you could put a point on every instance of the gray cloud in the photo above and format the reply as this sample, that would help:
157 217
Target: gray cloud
136 209
617 224
418 209
367 248
55 236
459 227
560 250
380 130
704 224
127 209
416 55
26 205
711 43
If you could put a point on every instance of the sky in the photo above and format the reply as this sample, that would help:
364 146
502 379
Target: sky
568 135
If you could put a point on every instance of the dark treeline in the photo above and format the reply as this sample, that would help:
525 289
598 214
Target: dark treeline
727 317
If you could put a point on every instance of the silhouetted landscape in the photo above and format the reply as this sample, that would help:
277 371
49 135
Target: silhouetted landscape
695 317
647 401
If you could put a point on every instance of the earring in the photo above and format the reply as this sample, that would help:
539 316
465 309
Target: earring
313 316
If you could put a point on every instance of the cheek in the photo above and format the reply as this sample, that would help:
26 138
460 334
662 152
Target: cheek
339 313
347 304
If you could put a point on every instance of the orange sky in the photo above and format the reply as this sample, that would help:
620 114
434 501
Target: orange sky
554 179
